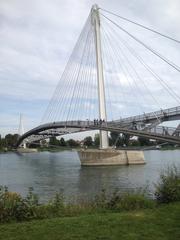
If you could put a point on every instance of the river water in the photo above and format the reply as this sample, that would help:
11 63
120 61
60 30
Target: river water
50 172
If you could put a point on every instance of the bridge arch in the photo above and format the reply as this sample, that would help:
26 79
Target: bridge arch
71 127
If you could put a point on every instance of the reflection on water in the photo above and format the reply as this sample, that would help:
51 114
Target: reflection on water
51 172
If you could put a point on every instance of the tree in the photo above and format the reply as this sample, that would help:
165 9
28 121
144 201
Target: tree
11 140
125 139
62 142
135 143
114 138
43 142
144 141
96 140
72 143
3 143
88 141
53 141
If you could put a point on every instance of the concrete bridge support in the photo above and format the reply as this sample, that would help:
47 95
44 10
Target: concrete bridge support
92 157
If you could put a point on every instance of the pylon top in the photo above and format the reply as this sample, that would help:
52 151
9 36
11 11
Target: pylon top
95 14
95 7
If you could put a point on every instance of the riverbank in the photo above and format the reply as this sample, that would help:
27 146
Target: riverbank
154 224
60 149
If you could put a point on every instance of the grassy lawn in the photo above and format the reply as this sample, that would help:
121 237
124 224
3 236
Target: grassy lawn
160 223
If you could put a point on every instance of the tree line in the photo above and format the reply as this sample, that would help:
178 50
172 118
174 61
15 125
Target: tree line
115 139
8 141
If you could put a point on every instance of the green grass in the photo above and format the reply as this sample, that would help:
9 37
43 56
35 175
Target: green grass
162 223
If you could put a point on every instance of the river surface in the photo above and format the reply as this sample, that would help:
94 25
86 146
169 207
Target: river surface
50 172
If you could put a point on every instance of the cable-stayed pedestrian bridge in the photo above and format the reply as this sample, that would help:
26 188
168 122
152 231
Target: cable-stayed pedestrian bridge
134 126
115 72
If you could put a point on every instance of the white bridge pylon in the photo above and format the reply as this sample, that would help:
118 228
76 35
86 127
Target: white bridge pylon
95 20
21 130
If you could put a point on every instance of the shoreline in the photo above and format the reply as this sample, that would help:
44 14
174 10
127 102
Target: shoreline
57 149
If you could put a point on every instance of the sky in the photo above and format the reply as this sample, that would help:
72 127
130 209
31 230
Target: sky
37 38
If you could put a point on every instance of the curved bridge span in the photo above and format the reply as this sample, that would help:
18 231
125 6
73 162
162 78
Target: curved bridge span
44 131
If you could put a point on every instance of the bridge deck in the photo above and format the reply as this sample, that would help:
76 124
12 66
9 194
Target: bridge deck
78 126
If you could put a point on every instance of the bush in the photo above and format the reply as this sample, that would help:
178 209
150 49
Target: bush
134 201
13 206
32 198
54 208
100 200
168 188
127 201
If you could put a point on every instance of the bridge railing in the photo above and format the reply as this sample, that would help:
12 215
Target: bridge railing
153 115
65 127
165 130
87 123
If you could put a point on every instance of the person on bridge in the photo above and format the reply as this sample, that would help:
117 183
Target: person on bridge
98 122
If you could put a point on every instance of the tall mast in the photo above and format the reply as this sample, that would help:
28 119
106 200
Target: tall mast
21 127
95 19
21 130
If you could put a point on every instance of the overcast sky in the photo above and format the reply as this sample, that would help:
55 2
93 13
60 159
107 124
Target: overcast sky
37 37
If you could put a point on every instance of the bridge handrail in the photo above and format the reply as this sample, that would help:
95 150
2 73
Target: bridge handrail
147 116
89 125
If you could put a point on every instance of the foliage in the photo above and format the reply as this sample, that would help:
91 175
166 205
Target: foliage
8 141
135 143
72 143
53 141
88 141
144 141
32 198
115 138
62 142
101 200
168 188
131 201
150 224
119 139
13 206
125 139
96 140
126 201
58 200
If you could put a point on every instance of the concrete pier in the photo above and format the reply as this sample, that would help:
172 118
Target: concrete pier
95 157
27 150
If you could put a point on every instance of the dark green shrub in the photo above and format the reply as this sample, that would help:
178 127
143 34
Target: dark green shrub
55 208
126 201
58 200
100 200
32 198
168 188
45 211
134 201
13 206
